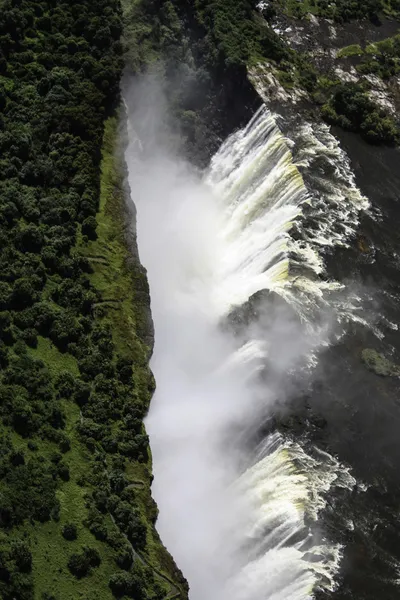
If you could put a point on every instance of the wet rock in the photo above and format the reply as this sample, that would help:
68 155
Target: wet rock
266 304
377 363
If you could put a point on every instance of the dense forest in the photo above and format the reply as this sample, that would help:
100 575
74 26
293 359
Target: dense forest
76 515
206 48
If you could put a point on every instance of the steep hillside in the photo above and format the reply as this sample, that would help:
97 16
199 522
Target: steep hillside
76 515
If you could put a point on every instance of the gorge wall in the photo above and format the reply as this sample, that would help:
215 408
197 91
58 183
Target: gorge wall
330 261
280 124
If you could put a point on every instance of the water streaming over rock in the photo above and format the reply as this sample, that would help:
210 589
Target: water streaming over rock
240 527
262 194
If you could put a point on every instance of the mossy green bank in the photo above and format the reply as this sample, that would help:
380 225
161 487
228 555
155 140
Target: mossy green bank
76 515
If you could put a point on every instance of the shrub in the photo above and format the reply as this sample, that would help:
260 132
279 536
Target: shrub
351 108
69 531
132 584
63 471
124 558
81 564
22 556
78 565
89 228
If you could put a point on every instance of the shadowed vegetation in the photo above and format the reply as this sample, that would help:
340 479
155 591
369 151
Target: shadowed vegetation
74 378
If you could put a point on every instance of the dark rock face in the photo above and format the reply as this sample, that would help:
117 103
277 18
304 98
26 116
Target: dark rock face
266 304
350 405
228 104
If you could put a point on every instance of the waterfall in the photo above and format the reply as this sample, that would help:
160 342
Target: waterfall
263 198
240 526
260 193
283 491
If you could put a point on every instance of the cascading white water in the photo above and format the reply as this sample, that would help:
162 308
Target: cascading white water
284 490
209 245
262 195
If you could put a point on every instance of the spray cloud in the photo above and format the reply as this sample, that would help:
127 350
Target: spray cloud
235 533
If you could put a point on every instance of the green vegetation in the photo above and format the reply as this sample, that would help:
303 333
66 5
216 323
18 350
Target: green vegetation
351 108
382 58
235 34
76 515
378 364
202 50
348 105
81 564
349 51
221 33
340 10
298 71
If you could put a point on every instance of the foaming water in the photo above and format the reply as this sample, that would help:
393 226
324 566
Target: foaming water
283 493
240 527
260 193
264 200
335 208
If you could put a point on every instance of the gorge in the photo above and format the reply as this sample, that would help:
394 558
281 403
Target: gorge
250 512
199 300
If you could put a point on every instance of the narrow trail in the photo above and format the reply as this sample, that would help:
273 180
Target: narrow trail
174 590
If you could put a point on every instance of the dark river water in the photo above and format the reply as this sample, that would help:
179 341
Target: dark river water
353 412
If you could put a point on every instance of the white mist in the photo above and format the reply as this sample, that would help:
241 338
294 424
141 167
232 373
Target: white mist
202 393
237 531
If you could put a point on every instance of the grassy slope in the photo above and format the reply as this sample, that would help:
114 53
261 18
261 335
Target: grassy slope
123 283
124 287
50 550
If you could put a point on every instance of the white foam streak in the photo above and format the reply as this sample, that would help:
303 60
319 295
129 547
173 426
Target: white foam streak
337 201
